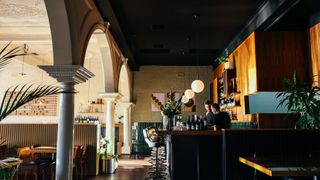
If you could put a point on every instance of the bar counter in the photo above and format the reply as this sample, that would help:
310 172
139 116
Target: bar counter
189 133
194 154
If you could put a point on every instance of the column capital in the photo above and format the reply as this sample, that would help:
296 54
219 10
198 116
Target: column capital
125 105
68 73
110 96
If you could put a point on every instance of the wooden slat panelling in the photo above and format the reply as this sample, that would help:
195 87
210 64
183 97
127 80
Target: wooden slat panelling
19 135
279 55
314 40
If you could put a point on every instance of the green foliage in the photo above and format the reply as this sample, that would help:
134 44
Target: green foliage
172 106
6 55
22 94
221 59
302 99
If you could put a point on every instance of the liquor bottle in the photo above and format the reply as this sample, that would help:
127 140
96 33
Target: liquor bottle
188 124
201 123
197 125
193 124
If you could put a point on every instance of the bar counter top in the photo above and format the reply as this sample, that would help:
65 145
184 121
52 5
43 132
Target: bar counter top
189 133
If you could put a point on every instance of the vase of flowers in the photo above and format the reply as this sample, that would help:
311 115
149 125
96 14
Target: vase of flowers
169 110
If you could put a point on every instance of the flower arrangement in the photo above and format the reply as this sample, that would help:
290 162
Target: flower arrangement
171 107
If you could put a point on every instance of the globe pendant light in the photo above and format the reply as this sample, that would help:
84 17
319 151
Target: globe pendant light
184 99
189 93
197 86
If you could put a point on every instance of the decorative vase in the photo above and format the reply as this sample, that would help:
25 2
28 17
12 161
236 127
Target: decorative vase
168 122
165 122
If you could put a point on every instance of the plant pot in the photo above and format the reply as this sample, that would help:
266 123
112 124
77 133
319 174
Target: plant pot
168 122
228 65
109 165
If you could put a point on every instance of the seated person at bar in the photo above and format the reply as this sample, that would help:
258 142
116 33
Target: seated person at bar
209 115
221 119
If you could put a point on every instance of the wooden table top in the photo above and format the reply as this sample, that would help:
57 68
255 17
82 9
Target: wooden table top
189 133
43 149
284 166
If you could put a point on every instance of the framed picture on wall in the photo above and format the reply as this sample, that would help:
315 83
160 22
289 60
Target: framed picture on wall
190 106
157 100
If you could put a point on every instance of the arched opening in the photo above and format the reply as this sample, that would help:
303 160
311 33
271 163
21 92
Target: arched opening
124 83
88 101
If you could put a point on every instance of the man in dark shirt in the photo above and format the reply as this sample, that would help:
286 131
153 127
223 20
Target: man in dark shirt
221 119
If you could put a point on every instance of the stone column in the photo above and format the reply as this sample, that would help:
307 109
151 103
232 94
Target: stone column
110 100
127 127
68 76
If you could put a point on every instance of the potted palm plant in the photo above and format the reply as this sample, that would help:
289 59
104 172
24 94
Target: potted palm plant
302 99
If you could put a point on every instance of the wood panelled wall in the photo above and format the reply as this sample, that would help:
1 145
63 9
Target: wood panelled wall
21 135
244 58
314 38
279 55
264 59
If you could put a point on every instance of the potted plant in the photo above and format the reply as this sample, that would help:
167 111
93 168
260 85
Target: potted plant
303 99
109 161
169 110
224 60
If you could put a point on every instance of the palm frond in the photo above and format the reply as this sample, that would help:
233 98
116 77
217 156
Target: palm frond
7 55
19 95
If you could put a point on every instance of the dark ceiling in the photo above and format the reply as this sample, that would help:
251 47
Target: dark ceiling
162 32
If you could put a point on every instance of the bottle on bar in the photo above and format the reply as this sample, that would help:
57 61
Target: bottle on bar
197 125
188 124
201 123
193 123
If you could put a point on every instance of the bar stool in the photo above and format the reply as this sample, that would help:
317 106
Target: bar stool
158 159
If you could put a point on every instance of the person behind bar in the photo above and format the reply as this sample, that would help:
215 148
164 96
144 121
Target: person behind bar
221 119
209 115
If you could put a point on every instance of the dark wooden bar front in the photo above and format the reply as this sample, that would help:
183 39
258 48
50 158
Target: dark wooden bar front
194 154
207 155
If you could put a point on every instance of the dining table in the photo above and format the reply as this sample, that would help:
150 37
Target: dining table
284 166
43 150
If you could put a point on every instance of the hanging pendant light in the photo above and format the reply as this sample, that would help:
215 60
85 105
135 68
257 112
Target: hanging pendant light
189 93
197 86
184 99
25 51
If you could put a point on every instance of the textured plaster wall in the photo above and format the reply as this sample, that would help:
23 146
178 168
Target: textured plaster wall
152 79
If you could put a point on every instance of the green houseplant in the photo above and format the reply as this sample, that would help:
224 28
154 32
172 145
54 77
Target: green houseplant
221 59
303 99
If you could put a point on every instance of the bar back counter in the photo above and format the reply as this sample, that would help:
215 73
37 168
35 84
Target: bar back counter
20 135
205 155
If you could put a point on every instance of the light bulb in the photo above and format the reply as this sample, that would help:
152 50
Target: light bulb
184 99
197 86
189 93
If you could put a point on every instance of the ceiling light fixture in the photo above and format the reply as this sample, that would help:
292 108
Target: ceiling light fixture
189 94
25 51
197 85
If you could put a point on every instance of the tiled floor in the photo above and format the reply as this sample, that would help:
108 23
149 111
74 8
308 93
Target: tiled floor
128 169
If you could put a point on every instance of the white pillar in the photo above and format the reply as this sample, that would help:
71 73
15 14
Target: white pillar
127 127
110 100
68 76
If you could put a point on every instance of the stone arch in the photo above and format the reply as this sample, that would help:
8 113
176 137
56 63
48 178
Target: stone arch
124 83
108 62
72 23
